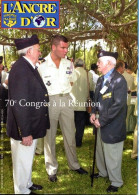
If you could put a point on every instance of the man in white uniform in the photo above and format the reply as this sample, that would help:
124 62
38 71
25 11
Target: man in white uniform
58 75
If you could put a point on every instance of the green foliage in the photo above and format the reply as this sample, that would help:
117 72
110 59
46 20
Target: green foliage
70 182
10 56
78 18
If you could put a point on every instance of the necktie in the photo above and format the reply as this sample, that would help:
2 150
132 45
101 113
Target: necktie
36 70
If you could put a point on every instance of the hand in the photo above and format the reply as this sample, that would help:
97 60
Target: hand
92 118
27 141
96 123
6 82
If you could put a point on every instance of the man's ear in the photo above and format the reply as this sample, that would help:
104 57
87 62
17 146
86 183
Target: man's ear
53 47
29 50
109 62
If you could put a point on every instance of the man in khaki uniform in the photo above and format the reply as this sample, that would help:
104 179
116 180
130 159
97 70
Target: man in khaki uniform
80 91
58 75
134 153
130 119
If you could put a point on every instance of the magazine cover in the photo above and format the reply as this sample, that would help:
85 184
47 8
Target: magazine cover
68 97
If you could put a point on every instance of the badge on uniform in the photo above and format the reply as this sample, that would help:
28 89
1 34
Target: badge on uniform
68 72
107 95
103 90
48 83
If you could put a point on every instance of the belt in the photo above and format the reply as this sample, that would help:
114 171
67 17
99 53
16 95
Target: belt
60 95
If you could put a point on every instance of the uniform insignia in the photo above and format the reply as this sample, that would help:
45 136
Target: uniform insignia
48 83
19 130
103 90
68 72
107 95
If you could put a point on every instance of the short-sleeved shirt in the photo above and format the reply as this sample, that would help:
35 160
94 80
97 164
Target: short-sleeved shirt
57 80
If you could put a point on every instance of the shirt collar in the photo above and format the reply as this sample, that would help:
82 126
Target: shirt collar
108 73
51 63
29 62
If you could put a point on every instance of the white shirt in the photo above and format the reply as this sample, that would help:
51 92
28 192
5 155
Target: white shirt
57 80
130 85
29 61
95 77
4 77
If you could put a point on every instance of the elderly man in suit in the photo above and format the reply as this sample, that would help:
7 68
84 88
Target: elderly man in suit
111 93
3 93
28 117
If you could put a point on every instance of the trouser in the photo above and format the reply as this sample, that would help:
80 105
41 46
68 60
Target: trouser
109 159
134 153
1 120
130 119
60 110
80 119
40 146
22 158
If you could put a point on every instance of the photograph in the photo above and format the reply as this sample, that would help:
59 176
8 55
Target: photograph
69 97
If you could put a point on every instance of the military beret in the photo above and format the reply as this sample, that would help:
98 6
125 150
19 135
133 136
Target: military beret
103 53
26 42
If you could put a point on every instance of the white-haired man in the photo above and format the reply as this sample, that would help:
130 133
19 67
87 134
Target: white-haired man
111 92
26 123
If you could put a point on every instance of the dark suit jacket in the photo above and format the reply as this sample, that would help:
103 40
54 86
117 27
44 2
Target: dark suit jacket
27 89
113 108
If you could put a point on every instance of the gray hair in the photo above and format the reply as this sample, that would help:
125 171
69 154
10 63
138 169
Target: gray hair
109 58
78 63
23 52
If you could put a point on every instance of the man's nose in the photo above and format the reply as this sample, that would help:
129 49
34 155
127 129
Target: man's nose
66 50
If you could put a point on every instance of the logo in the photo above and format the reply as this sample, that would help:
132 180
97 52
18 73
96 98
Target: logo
39 21
30 14
9 20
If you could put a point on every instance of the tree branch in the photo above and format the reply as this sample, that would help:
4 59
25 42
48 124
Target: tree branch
8 44
133 36
130 5
120 13
125 24
85 38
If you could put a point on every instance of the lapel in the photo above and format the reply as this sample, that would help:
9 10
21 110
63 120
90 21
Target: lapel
100 82
110 78
98 87
36 73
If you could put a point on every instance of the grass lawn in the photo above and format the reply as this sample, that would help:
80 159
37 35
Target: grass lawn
70 182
